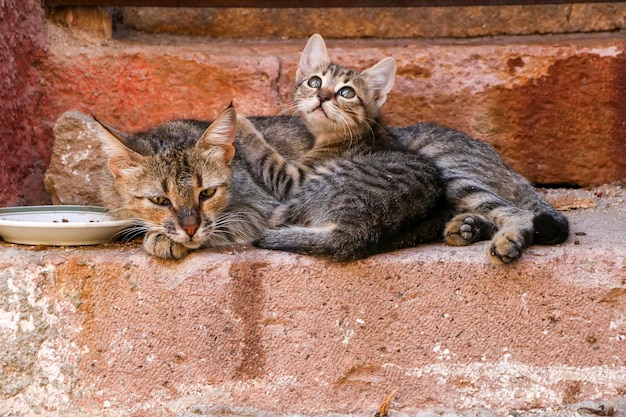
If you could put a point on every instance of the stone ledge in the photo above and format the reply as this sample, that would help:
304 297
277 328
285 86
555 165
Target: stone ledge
110 331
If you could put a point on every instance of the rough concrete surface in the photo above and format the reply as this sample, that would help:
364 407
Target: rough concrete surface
111 331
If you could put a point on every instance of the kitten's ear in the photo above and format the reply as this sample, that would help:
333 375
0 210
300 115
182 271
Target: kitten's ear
220 136
314 57
380 79
120 157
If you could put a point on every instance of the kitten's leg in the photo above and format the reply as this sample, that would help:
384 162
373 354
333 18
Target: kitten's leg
278 176
514 225
467 228
327 241
161 246
279 216
515 232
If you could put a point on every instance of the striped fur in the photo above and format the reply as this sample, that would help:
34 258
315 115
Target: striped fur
356 192
184 187
491 200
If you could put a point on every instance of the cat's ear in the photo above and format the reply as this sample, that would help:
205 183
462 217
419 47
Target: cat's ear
220 136
120 158
380 79
314 57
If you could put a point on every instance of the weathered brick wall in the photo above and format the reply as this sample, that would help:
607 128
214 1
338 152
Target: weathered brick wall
24 139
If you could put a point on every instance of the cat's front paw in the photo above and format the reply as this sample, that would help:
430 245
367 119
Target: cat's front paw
161 246
505 247
467 228
245 127
279 216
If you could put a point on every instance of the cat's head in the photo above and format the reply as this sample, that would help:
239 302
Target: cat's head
175 192
334 100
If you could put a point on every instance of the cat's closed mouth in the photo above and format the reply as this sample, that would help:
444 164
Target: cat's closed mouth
321 109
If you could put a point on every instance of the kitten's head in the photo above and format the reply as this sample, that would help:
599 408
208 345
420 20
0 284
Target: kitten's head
176 192
337 101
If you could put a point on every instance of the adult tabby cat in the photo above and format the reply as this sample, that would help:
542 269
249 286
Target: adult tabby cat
339 106
357 192
185 186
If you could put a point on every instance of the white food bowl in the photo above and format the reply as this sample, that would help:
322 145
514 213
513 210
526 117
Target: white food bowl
59 225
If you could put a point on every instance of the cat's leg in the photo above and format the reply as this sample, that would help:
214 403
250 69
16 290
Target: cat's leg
549 225
161 246
278 176
467 228
513 225
327 241
280 216
515 233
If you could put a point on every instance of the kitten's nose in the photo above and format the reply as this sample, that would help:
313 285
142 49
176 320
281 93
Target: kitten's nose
323 96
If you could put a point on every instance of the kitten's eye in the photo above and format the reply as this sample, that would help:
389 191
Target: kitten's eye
315 82
206 194
347 92
159 201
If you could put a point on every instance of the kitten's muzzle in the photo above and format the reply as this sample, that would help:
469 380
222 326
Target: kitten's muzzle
323 96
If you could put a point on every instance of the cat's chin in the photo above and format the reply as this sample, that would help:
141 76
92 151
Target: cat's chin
188 243
192 244
318 119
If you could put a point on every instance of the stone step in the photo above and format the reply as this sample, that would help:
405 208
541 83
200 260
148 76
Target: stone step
110 331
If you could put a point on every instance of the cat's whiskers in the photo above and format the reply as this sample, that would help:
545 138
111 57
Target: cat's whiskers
225 220
291 110
348 132
130 233
370 125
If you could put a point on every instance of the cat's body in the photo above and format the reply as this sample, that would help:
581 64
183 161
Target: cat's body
357 192
491 200
186 186
488 199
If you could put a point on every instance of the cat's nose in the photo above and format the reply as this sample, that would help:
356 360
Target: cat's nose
189 222
190 229
323 96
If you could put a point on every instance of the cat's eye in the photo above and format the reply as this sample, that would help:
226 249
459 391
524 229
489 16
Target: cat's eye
159 201
315 82
347 92
206 194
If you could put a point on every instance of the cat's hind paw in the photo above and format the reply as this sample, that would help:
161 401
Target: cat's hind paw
467 228
161 246
506 247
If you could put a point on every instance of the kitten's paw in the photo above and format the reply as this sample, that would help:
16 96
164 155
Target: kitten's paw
161 246
505 247
245 126
279 216
467 228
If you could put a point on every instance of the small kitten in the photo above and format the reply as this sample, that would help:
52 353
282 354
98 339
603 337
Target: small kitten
184 185
357 192
489 200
